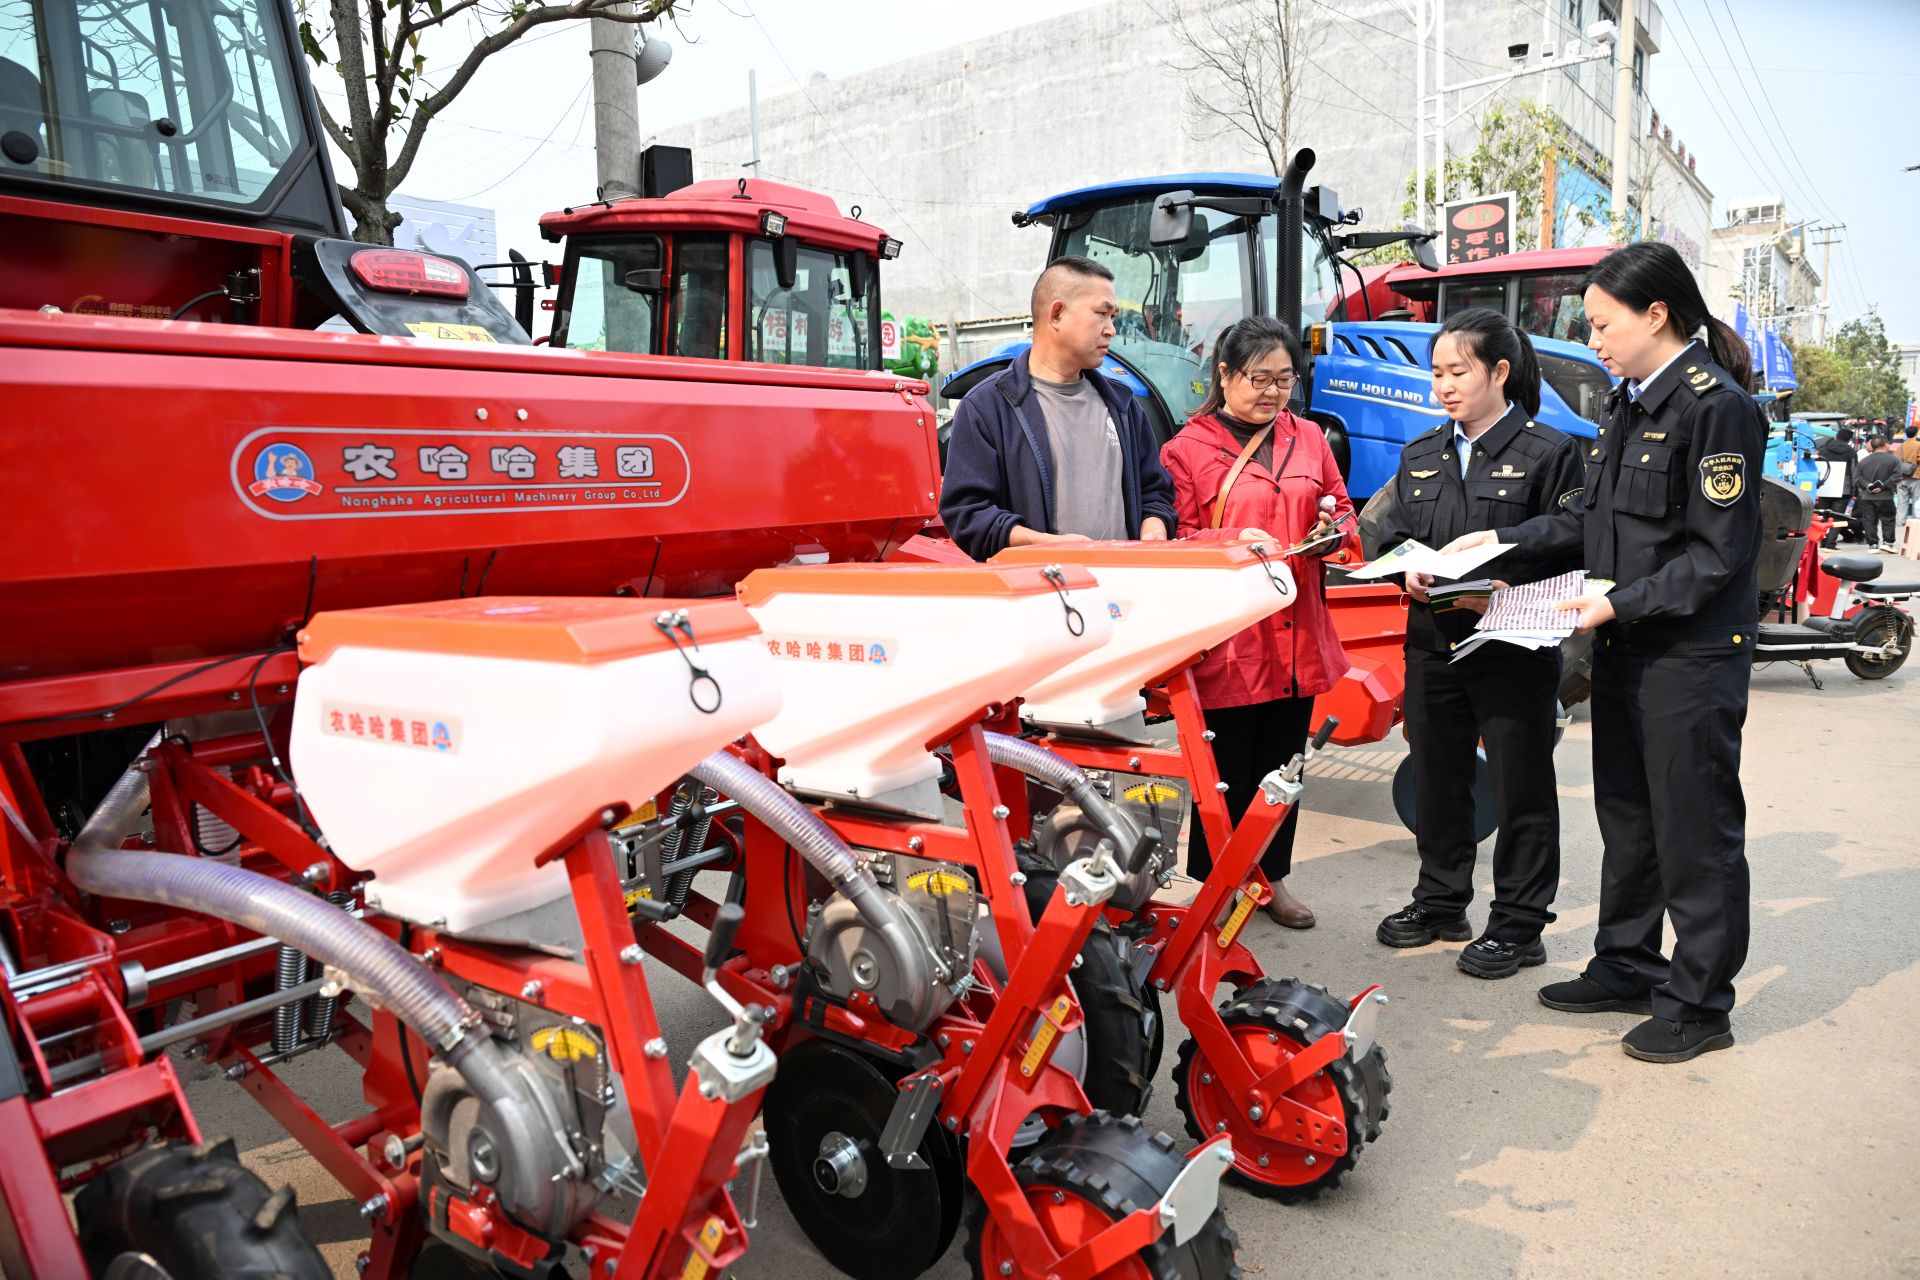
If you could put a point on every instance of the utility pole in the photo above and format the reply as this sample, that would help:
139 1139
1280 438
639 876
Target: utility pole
1419 116
616 105
1826 270
1624 116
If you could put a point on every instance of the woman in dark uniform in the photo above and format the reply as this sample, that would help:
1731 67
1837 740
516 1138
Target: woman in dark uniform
1670 515
1489 466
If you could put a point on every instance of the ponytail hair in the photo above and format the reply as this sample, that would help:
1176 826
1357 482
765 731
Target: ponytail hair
1647 272
1488 338
1239 345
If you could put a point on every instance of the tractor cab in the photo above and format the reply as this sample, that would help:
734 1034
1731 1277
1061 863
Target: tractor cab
722 270
1176 298
164 161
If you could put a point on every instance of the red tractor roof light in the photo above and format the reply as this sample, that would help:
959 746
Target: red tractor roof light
403 271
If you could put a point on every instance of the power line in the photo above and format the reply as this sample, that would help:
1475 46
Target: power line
539 148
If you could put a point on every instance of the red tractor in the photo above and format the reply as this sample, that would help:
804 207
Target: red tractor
386 691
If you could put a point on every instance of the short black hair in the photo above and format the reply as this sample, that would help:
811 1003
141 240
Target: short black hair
1051 283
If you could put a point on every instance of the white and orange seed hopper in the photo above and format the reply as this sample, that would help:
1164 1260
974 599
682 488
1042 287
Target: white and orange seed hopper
443 746
1168 601
876 661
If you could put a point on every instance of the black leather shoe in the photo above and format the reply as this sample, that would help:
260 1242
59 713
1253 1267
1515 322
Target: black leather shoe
1415 926
1491 958
1660 1040
1584 995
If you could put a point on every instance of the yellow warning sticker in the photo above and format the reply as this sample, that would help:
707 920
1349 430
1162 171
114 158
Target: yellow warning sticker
1242 908
564 1044
645 813
710 1237
939 883
1045 1034
449 332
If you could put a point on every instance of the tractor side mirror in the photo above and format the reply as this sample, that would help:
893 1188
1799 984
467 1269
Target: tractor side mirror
647 280
786 261
1171 221
860 274
1423 249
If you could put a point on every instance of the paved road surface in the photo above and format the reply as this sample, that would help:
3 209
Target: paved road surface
1522 1141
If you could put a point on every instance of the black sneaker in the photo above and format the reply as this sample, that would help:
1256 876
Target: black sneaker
1660 1040
1584 995
1415 926
1492 958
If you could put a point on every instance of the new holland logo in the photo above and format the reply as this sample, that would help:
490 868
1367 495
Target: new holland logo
284 473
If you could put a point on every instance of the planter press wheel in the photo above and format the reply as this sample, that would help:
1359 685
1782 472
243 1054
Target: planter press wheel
1486 814
181 1212
824 1113
1088 1173
1124 1031
1272 1021
1890 628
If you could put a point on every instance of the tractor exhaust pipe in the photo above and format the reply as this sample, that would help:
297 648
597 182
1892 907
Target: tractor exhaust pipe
1290 215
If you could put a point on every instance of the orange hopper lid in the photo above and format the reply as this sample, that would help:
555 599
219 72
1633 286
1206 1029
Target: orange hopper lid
530 628
971 580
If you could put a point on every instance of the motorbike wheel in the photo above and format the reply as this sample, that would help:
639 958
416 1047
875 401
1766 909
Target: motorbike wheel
1087 1174
825 1112
1272 1021
1889 627
183 1212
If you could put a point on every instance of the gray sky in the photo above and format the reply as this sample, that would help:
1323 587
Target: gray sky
1817 104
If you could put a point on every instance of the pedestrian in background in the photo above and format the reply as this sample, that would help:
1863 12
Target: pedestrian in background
1244 466
1874 483
1489 466
1671 516
1906 498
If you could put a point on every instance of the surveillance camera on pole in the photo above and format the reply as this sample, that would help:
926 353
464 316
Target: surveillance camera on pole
1603 33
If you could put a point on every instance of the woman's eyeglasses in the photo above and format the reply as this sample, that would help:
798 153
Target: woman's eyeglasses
1265 381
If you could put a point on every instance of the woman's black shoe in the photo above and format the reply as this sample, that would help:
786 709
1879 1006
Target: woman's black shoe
1491 958
1415 926
1662 1040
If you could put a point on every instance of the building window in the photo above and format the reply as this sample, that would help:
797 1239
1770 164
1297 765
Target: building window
1576 10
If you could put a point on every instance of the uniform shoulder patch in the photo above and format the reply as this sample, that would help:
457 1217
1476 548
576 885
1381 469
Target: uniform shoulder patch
1701 379
1723 477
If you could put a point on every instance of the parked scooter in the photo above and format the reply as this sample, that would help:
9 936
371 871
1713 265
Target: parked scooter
1867 625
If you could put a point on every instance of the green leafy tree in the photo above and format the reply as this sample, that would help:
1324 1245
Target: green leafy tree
1856 373
393 95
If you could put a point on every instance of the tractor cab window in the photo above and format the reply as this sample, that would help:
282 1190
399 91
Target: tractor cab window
1174 299
599 311
193 98
699 300
819 322
1554 305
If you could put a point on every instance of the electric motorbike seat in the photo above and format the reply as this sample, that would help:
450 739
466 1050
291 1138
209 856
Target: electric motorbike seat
1894 590
1851 568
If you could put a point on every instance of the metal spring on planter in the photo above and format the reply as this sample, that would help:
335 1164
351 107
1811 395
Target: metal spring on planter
290 971
692 842
321 1009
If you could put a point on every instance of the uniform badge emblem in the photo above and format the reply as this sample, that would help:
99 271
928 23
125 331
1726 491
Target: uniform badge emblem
1723 478
1655 436
1423 475
1506 472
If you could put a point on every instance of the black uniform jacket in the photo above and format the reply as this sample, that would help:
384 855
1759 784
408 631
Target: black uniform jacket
1671 508
1517 469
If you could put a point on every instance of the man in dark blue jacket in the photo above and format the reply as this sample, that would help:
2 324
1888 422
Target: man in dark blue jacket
1048 450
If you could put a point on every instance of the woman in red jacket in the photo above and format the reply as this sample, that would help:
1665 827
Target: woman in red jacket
1257 689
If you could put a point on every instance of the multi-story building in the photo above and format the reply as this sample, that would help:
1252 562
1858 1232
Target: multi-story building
1758 258
942 147
1909 353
